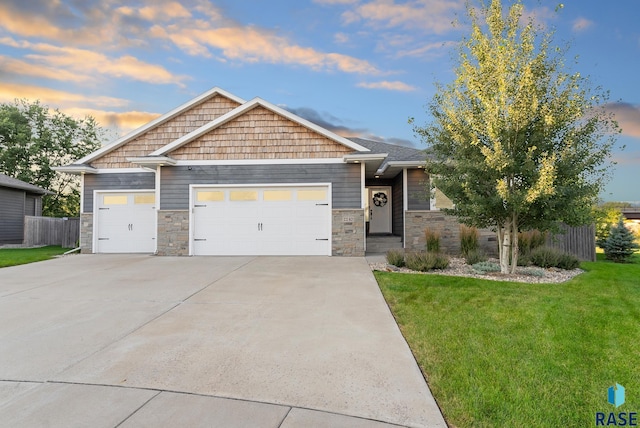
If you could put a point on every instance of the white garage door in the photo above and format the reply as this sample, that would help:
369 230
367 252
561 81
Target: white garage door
125 222
261 220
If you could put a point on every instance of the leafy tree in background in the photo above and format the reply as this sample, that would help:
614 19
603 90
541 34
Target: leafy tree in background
33 139
619 245
606 216
516 142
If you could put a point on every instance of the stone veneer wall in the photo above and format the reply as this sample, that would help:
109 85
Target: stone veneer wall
173 233
447 226
348 232
86 233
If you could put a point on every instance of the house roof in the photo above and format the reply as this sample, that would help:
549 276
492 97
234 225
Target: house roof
14 183
394 160
158 121
238 111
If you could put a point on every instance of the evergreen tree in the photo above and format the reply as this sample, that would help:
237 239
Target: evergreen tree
620 244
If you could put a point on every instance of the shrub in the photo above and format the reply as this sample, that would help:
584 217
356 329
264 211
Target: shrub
530 240
469 240
475 256
533 271
568 262
485 267
424 262
433 240
546 257
395 257
619 245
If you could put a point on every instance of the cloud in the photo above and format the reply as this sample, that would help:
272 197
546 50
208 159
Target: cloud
334 124
332 2
581 24
326 121
123 122
428 51
81 65
431 16
539 15
253 45
341 38
196 27
11 91
628 117
100 107
390 86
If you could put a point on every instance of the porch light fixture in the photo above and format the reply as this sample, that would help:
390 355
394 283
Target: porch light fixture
377 176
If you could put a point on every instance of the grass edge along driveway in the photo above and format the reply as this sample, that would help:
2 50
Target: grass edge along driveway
21 256
523 355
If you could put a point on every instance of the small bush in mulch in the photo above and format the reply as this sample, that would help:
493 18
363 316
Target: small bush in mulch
486 267
475 256
426 261
546 257
395 258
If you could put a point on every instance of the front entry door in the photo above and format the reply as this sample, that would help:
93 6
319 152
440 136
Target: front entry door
380 210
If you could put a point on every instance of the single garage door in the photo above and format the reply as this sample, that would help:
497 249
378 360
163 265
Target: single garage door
292 220
125 222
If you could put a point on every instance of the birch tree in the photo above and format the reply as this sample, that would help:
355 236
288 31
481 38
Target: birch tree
516 141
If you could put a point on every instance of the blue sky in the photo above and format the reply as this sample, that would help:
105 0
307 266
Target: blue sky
358 67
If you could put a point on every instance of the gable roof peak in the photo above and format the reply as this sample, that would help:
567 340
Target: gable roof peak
160 120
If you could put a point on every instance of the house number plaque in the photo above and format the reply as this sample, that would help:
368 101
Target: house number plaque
347 219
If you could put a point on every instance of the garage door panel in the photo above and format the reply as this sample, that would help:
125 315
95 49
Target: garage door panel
263 221
125 222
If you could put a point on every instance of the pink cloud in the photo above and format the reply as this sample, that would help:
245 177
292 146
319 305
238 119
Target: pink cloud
387 85
628 117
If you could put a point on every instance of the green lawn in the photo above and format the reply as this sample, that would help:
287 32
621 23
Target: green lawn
503 354
21 256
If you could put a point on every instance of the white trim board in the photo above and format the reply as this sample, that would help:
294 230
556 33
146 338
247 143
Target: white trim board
304 161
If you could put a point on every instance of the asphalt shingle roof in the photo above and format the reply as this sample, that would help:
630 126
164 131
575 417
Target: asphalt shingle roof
396 153
14 183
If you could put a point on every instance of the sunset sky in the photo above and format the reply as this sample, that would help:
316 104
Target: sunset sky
357 67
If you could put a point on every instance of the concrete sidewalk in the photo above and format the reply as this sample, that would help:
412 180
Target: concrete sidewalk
128 341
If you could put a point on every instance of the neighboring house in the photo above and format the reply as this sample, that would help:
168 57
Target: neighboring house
223 176
17 200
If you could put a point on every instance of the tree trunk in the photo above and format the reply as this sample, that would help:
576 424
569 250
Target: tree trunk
505 247
514 244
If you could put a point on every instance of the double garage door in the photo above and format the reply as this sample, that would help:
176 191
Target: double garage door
294 220
276 220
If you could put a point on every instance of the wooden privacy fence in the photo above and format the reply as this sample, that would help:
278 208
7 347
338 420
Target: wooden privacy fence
51 231
577 240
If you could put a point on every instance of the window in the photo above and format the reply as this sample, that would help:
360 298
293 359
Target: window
312 195
210 196
144 198
243 195
277 195
114 200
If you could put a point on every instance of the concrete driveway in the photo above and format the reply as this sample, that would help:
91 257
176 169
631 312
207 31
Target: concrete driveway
134 341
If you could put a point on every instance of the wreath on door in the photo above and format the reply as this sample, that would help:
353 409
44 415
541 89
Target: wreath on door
380 199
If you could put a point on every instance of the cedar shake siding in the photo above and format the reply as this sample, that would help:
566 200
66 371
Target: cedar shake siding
260 134
167 132
123 181
345 179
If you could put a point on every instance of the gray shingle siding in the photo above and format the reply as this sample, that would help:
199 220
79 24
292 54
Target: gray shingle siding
11 216
417 189
345 179
116 181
